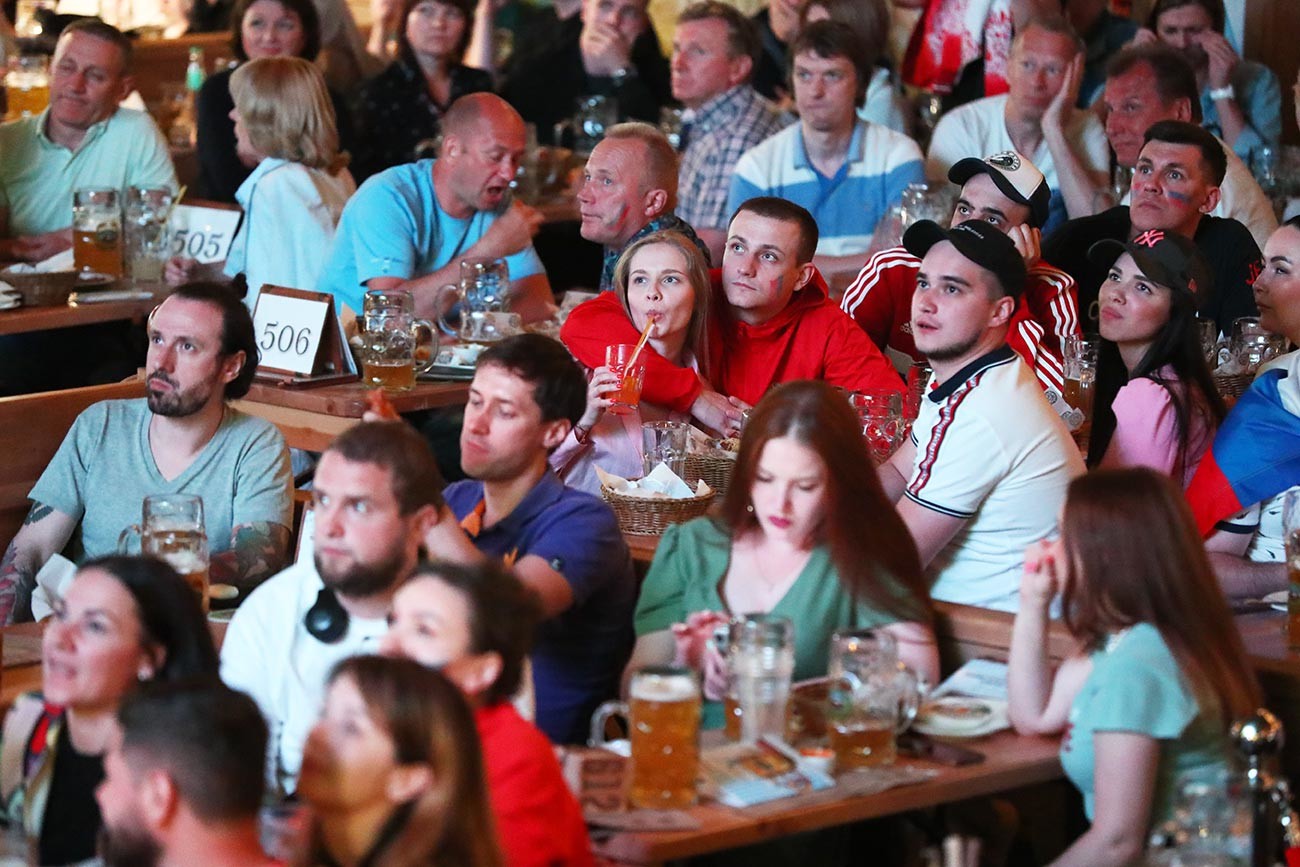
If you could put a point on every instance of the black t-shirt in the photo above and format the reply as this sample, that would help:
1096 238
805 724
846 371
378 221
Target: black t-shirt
72 820
771 77
1227 245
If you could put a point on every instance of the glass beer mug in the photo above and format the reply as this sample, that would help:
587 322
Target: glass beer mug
873 697
481 300
97 231
592 117
390 345
171 529
663 714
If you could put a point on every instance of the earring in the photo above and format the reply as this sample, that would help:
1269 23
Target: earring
144 675
750 508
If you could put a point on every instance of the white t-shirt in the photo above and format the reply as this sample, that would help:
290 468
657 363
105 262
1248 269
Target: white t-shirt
268 653
991 450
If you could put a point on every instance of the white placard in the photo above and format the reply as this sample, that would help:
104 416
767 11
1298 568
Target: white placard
289 331
204 234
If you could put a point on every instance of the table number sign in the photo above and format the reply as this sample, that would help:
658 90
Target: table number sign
299 339
204 234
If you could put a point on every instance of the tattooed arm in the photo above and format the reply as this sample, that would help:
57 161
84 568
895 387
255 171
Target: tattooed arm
257 551
43 534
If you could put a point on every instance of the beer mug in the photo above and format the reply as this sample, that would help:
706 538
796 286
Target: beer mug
1208 331
1080 364
664 442
663 714
390 340
1249 346
97 231
480 300
760 666
918 385
872 698
171 529
147 211
592 117
27 86
880 412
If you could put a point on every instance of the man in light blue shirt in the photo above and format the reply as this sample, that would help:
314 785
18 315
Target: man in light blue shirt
410 226
82 140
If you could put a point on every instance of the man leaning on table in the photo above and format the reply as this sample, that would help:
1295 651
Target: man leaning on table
182 438
985 471
410 227
84 139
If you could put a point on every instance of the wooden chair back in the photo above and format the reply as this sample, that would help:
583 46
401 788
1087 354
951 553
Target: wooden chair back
965 633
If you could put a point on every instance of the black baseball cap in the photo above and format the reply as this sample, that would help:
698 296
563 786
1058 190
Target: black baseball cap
1017 178
1163 257
977 240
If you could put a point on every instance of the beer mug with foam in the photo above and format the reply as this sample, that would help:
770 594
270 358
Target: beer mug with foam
171 529
872 698
663 714
391 351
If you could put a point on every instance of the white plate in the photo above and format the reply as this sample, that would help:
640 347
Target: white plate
975 725
1277 600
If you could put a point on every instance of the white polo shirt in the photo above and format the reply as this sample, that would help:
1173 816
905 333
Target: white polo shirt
991 450
268 653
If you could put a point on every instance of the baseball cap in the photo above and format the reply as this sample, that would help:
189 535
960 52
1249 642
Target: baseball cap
979 242
1017 178
1163 257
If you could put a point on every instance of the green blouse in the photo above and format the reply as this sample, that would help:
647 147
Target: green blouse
686 576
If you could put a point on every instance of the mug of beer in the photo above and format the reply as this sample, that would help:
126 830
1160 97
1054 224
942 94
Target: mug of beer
1080 377
872 698
147 211
663 714
479 301
171 529
880 412
391 351
27 85
760 666
97 230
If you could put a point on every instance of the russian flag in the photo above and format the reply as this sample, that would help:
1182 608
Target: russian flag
1255 455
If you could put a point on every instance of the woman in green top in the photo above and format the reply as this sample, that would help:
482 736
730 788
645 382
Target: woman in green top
805 533
1159 673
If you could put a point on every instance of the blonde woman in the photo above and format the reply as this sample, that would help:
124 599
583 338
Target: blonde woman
284 122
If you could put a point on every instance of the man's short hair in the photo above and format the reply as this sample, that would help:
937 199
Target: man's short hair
106 32
1213 159
503 615
1214 8
660 159
742 34
829 40
209 739
559 386
1056 25
1173 76
467 112
786 211
237 334
304 9
397 447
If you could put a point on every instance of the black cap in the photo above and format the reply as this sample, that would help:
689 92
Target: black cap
978 241
1017 178
1163 257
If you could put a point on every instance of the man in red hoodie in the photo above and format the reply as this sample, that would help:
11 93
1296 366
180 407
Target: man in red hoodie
773 323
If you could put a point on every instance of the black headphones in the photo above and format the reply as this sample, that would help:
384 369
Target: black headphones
326 620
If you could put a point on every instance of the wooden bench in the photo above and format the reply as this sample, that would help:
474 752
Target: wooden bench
32 427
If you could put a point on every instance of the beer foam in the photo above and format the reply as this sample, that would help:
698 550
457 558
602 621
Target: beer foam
680 688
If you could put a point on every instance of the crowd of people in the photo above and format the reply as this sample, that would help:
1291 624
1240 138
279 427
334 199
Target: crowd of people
407 673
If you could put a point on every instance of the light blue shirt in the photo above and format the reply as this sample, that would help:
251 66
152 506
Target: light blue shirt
1260 98
394 227
877 169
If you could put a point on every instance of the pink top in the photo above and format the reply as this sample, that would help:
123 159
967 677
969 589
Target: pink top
1146 429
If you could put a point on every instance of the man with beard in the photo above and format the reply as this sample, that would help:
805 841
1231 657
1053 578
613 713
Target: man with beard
985 471
183 779
376 496
181 439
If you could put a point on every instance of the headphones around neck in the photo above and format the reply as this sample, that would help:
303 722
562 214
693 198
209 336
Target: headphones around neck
327 619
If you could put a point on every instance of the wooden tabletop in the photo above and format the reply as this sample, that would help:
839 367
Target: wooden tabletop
1011 761
26 319
1264 635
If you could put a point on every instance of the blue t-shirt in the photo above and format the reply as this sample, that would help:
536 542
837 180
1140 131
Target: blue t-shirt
394 227
579 655
1137 686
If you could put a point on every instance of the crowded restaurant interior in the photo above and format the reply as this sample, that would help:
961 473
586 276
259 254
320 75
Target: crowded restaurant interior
497 433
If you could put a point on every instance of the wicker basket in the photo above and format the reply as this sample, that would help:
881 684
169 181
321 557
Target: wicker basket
1232 385
647 516
715 470
46 289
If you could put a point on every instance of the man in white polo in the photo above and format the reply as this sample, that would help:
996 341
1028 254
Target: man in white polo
985 471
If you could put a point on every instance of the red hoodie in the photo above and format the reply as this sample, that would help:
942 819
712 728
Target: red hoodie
810 339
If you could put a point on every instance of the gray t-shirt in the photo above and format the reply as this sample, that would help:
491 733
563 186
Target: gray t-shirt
104 469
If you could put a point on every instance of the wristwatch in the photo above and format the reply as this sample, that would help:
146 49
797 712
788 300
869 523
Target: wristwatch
622 74
1225 92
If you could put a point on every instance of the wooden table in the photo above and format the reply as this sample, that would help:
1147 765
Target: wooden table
26 319
1011 762
310 418
1264 635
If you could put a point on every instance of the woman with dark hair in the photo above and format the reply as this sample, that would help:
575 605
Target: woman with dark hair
258 28
402 108
662 278
393 772
805 532
1156 404
123 621
1160 673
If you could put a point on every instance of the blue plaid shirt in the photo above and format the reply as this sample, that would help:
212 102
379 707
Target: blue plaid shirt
722 129
658 224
